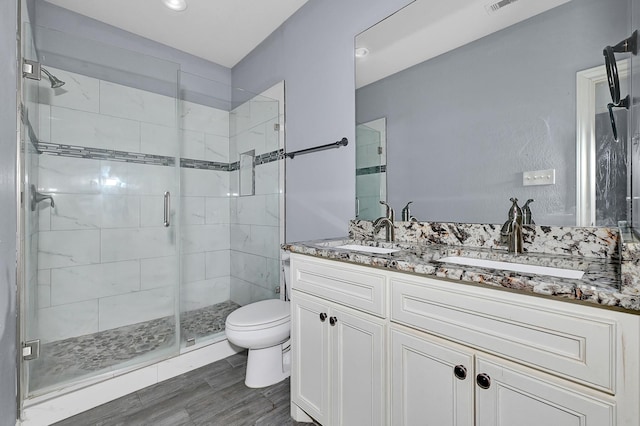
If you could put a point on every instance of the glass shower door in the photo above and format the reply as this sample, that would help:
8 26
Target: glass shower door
231 224
101 169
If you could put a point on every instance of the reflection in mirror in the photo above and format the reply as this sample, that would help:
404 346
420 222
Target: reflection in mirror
602 161
465 125
371 167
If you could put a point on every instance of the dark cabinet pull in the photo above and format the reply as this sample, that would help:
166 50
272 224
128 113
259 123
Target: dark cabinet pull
333 321
323 316
483 380
460 371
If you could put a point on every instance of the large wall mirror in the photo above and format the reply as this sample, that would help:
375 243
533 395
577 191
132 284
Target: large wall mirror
475 95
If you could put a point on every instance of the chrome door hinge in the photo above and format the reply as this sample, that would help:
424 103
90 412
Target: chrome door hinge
276 127
31 69
31 350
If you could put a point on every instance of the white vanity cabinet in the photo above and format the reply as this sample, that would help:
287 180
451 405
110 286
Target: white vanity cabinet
413 350
501 358
338 353
436 382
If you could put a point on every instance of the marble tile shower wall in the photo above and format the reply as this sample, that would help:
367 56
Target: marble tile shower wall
104 258
255 220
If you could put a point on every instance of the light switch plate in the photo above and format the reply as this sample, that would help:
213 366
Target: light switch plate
539 177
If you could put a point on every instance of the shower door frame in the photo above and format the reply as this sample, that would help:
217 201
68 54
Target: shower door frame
20 368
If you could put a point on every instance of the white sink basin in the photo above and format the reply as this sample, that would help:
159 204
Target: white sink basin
368 249
516 267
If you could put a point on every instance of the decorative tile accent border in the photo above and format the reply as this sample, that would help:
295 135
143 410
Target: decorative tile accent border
104 154
371 170
188 163
591 242
74 151
260 159
269 157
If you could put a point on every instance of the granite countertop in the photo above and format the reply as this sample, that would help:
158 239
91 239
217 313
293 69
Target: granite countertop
600 285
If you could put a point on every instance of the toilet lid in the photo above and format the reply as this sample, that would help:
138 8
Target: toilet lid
265 312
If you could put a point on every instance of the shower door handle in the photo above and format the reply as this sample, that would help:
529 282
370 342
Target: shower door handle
167 208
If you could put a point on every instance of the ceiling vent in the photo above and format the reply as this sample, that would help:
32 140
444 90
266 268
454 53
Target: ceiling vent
494 7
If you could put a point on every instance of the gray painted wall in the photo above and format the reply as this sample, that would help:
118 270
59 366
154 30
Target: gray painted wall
8 117
463 126
313 53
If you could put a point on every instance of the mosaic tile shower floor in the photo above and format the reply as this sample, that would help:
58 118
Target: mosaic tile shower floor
72 358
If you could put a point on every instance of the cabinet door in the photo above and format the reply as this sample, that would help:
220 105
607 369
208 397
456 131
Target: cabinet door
357 368
309 348
519 396
428 381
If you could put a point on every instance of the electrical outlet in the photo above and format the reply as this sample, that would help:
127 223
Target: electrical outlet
539 177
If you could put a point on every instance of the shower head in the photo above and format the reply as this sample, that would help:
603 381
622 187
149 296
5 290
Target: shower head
55 81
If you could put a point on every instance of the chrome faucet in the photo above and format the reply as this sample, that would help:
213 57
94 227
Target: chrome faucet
390 234
387 221
512 228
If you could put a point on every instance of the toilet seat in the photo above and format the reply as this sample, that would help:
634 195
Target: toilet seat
260 315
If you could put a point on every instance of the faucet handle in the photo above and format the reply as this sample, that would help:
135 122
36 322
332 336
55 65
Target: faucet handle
527 217
406 213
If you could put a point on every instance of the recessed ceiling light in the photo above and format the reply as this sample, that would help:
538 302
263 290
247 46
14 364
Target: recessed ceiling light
177 5
361 52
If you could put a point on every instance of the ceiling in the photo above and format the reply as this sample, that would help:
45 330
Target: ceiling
221 31
427 28
225 31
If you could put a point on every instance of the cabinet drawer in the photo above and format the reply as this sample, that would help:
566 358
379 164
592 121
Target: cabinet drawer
564 339
353 286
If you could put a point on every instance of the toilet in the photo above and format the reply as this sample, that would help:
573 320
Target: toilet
264 328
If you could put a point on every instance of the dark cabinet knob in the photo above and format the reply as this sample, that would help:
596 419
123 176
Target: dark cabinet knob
460 371
323 316
333 321
483 380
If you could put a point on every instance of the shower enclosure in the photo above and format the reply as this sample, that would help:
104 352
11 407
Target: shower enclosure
137 241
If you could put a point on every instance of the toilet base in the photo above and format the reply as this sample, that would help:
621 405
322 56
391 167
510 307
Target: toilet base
265 367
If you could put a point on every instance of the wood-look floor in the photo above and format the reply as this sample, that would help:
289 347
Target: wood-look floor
211 395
